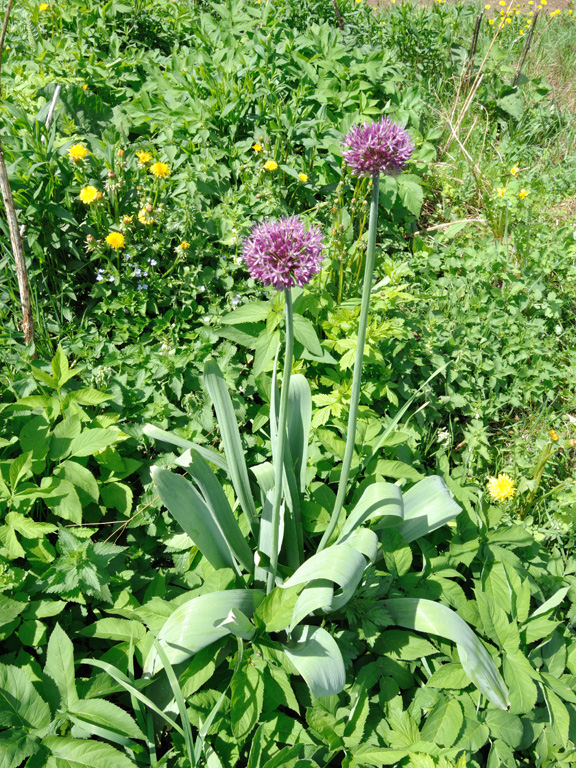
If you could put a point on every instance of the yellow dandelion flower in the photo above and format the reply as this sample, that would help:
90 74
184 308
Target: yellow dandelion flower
543 2
270 165
508 20
257 148
522 194
491 21
514 170
521 31
143 157
77 152
501 191
115 240
553 435
160 170
570 13
184 245
43 7
501 488
88 195
487 7
143 217
303 177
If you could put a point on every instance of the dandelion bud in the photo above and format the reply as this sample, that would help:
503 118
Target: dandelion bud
111 174
89 238
149 208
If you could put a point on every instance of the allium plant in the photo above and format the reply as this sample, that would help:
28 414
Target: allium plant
282 254
381 147
281 583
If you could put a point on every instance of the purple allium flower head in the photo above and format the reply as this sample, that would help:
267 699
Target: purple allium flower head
374 148
282 253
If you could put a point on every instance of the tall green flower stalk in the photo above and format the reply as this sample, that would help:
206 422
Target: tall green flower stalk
381 147
278 456
282 254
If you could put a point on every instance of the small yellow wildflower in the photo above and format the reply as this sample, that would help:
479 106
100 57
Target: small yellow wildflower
43 7
88 195
270 165
570 12
143 217
120 152
115 240
160 170
77 152
522 194
501 488
85 86
508 20
127 219
257 148
184 245
143 157
553 435
501 191
303 177
491 22
543 2
521 32
514 170
502 3
487 7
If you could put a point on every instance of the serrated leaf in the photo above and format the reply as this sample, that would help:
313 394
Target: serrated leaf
88 396
443 723
21 706
59 669
90 441
305 333
79 753
15 746
247 699
518 674
108 715
504 726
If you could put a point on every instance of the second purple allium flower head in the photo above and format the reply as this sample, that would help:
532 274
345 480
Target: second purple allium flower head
374 148
282 253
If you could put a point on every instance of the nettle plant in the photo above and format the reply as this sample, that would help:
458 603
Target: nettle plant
289 590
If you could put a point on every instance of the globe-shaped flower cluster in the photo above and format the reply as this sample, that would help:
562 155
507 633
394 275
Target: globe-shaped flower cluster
283 253
374 148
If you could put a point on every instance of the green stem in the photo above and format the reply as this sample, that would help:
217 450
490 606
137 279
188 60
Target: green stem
357 376
280 443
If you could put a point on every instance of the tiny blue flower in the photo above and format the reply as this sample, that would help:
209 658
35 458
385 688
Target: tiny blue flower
137 272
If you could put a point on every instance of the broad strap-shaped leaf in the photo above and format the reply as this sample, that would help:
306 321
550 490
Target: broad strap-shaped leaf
379 500
215 499
180 442
316 656
230 433
198 623
427 506
428 616
299 418
194 517
264 474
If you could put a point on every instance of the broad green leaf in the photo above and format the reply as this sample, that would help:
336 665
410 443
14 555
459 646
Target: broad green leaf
246 700
192 626
449 675
10 609
60 368
305 333
504 726
519 674
21 469
497 624
551 603
121 630
117 496
559 716
427 506
20 704
427 616
398 470
81 477
316 656
59 670
88 396
106 714
501 756
367 754
15 746
80 753
180 442
231 440
253 312
443 723
383 500
220 510
62 499
277 608
411 193
324 724
474 735
90 441
264 351
27 527
194 517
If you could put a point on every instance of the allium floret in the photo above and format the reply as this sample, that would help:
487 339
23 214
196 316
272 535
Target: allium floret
283 254
374 148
